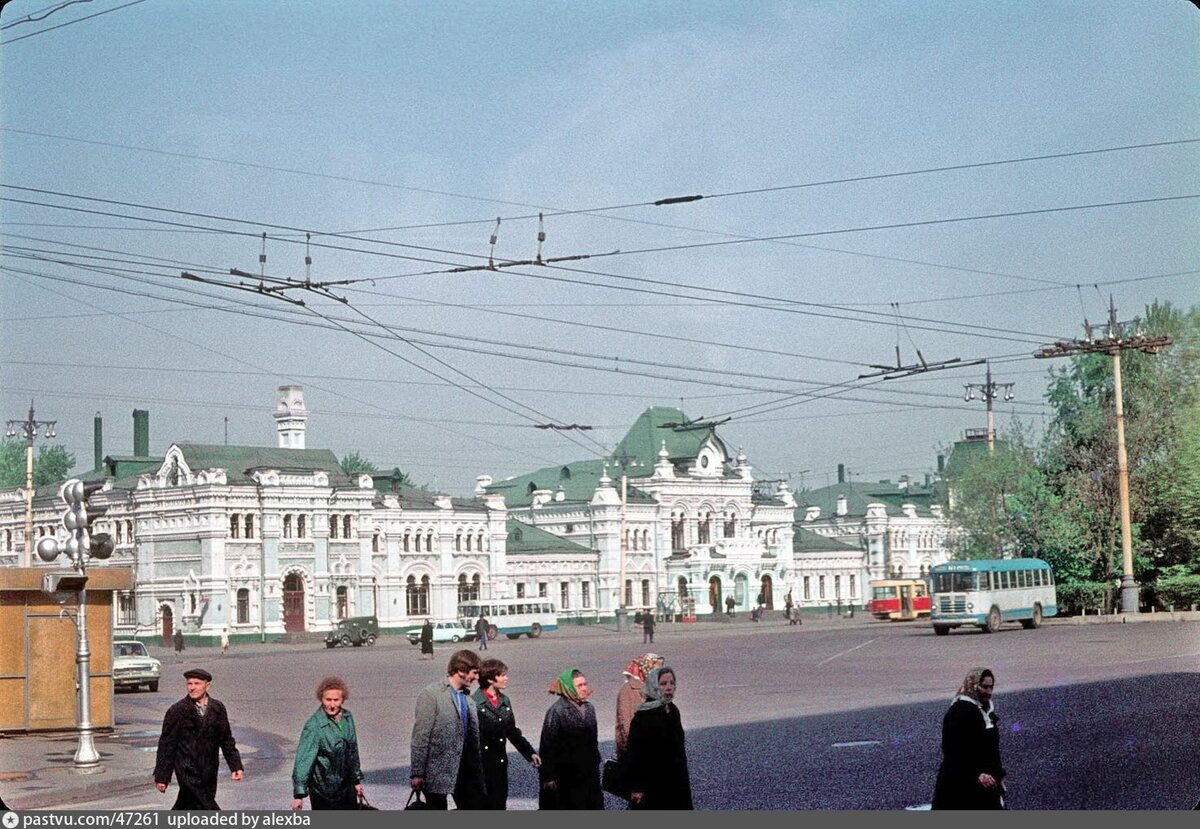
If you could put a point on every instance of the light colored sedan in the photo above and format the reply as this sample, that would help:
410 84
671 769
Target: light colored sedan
133 666
442 632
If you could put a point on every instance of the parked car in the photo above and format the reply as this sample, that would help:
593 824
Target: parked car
356 631
454 631
133 666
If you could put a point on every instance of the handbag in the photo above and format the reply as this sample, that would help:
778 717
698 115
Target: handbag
612 779
363 803
416 800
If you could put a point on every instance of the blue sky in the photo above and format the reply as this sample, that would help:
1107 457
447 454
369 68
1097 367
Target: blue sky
432 119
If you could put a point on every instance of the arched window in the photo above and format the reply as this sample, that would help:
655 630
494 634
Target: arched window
287 526
343 602
479 543
418 547
429 542
333 526
704 529
645 592
628 593
235 526
730 525
475 585
464 589
458 542
407 542
249 525
678 542
532 488
346 526
376 542
565 473
417 596
120 532
301 526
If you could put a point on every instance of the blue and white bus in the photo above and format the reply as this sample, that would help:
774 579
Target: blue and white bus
512 617
989 592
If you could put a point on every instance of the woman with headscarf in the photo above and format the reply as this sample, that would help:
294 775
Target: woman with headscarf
569 748
971 776
497 728
656 768
630 697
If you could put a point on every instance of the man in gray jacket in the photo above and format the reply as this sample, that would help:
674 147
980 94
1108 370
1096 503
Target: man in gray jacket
445 755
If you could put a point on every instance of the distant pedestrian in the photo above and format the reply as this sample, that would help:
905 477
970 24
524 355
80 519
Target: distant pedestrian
177 639
648 627
481 631
444 753
569 747
656 767
498 728
327 769
193 731
427 640
224 641
729 605
630 697
971 776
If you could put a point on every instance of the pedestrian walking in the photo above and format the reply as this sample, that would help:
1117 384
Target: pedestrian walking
327 768
224 641
656 768
445 756
177 640
971 775
481 631
570 751
194 730
648 627
427 640
729 605
498 728
630 697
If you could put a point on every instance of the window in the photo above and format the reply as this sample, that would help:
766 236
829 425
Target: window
542 588
520 591
243 606
464 589
587 593
821 586
565 595
853 587
8 540
468 542
458 542
301 526
479 543
346 526
333 526
645 592
475 584
807 590
126 608
376 542
249 526
731 527
837 587
628 593
429 542
120 532
235 526
677 538
704 530
343 602
417 596
287 526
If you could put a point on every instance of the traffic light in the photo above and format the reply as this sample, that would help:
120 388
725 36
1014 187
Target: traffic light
78 518
99 545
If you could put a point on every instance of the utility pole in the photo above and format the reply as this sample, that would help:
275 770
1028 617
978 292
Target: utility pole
1114 343
625 460
988 392
28 429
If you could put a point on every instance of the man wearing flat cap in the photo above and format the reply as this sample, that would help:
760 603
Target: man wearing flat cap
193 730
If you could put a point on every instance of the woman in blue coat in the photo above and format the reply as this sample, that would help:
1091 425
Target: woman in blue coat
327 768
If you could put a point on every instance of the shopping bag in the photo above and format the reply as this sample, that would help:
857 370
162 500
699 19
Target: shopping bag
612 779
416 800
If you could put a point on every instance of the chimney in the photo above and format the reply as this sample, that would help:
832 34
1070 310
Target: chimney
842 506
941 464
141 433
98 440
841 473
290 416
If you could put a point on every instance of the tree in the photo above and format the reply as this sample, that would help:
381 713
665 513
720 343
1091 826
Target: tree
50 464
354 462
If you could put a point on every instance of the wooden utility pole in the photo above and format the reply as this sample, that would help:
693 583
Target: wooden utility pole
1114 343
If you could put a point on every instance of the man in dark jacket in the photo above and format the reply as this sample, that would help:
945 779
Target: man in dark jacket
481 632
193 731
648 627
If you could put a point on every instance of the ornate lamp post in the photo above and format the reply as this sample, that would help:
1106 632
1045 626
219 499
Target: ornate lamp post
28 429
80 546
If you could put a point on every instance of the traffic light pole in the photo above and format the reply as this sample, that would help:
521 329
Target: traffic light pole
86 755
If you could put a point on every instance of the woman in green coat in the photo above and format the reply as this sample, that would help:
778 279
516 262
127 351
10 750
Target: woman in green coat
327 769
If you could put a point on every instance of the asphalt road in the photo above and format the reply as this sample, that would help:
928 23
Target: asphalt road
834 714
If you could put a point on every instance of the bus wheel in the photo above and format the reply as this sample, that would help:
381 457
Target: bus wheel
941 630
993 620
1035 622
535 630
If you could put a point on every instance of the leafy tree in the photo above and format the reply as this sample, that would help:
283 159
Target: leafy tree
354 462
50 463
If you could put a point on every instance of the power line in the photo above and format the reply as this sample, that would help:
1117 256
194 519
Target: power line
69 22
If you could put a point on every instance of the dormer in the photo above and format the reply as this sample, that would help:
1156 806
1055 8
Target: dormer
710 460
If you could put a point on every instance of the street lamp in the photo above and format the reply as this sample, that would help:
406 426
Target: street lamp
626 461
28 429
80 546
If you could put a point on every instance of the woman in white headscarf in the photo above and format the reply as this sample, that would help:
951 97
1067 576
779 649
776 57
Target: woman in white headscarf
656 758
971 776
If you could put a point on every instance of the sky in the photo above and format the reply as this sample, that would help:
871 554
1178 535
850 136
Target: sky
957 181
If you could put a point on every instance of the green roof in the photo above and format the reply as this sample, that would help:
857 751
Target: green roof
526 539
578 481
858 495
807 541
657 425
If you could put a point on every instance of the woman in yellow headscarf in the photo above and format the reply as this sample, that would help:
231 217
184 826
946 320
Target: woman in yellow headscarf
569 747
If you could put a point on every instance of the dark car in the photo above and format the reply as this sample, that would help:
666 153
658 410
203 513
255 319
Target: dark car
357 630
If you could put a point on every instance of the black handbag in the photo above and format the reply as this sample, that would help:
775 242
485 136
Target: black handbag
362 803
612 779
416 800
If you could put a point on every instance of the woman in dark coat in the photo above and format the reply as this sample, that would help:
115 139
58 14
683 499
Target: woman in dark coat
497 728
971 776
569 748
427 640
656 759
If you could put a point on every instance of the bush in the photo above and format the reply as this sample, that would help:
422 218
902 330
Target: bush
1077 596
1180 592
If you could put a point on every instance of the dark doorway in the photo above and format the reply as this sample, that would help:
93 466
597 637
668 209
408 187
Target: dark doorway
293 603
168 626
